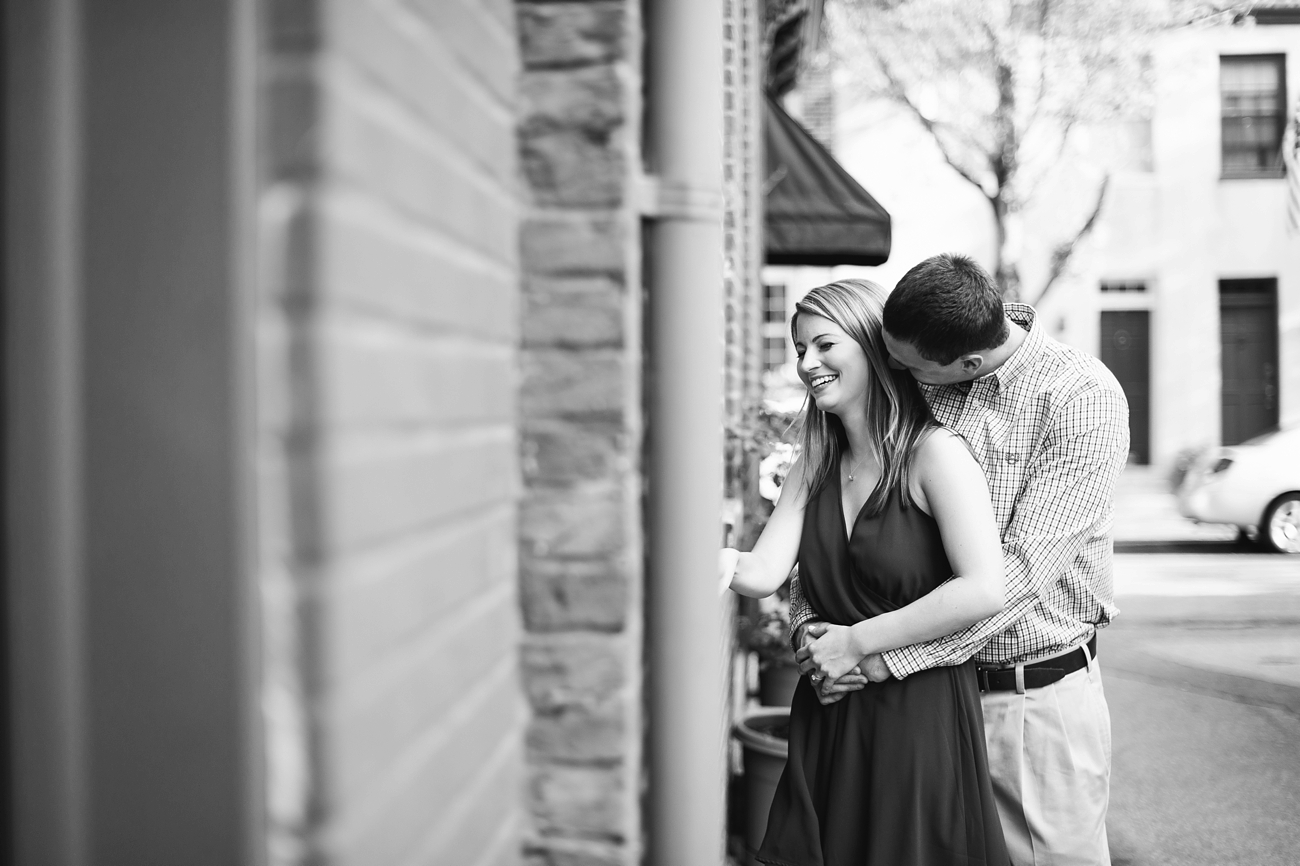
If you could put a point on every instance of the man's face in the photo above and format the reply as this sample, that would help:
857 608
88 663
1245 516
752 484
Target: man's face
904 356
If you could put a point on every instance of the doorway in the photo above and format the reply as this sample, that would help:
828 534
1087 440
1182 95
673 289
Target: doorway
1126 350
1248 355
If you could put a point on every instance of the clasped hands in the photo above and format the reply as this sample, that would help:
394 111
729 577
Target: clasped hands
835 667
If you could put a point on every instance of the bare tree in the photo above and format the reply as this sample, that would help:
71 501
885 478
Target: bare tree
1004 86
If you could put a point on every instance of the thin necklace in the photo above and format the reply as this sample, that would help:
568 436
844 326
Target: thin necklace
854 467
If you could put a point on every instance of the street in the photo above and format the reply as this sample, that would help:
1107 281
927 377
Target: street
1203 680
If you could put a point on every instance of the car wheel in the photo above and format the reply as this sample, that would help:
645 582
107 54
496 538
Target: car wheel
1280 529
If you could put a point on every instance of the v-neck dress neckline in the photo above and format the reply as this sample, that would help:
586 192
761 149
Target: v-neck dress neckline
849 528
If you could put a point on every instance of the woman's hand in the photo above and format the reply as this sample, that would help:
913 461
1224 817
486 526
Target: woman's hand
830 691
832 653
728 559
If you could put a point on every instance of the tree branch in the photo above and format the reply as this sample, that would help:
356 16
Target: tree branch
899 95
1062 254
1029 188
1041 92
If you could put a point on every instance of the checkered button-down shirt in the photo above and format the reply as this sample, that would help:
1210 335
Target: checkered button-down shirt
1050 429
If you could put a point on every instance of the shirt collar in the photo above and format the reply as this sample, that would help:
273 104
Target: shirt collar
1026 353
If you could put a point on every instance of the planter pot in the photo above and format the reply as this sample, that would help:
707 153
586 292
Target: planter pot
763 735
776 684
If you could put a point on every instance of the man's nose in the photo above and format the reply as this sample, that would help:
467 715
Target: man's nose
896 364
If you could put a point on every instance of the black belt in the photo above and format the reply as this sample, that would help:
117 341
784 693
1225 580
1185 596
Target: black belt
1038 674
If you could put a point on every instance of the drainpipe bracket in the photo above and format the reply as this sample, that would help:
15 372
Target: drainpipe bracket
678 200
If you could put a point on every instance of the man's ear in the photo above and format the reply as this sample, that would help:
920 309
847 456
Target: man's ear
971 364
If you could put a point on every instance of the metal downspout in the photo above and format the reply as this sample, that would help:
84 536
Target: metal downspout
684 401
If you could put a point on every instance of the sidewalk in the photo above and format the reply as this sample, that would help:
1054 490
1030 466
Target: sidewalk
1188 595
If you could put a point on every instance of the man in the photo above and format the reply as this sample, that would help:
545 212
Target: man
1049 426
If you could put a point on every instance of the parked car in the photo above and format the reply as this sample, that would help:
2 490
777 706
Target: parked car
1254 485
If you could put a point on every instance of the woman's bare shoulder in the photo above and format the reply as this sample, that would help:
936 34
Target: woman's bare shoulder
941 449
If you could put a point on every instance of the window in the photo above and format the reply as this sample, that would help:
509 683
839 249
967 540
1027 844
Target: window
774 330
774 303
1253 114
773 352
1123 286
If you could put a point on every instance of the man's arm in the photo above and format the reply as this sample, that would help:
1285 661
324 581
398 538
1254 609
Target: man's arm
1067 491
801 612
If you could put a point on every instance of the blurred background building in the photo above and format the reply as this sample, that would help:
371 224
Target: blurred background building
365 407
1191 292
1183 280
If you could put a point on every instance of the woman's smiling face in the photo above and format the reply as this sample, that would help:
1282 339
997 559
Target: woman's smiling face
831 364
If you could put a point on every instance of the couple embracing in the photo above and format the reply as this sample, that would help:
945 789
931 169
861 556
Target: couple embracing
950 515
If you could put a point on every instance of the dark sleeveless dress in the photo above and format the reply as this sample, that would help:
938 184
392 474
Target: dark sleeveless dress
894 774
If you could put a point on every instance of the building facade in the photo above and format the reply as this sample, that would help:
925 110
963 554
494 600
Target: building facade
365 383
1190 289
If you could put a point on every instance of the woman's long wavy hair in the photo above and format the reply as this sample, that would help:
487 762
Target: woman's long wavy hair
897 415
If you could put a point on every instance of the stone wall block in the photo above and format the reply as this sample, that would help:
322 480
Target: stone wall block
570 34
563 670
583 285
581 732
584 801
570 319
558 383
573 594
564 451
584 521
566 852
591 97
574 167
558 244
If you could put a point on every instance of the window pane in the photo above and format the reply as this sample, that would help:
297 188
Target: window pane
1252 112
774 351
774 302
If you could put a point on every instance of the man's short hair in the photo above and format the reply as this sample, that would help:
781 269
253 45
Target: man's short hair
946 307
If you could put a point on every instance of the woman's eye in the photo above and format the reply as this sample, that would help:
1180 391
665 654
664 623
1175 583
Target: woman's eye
825 347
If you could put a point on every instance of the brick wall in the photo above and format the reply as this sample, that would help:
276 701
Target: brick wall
388 371
742 287
580 529
742 226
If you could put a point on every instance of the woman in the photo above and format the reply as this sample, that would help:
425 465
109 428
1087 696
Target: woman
883 510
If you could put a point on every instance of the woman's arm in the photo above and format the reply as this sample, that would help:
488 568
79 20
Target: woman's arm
761 572
953 487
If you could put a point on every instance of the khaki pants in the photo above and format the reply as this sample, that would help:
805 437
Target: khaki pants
1049 757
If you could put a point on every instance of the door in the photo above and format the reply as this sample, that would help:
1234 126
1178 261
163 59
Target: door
1126 350
1248 341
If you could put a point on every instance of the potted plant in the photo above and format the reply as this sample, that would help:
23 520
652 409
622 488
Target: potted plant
764 736
778 673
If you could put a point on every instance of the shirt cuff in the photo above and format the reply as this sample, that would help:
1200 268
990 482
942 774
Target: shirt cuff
903 662
797 620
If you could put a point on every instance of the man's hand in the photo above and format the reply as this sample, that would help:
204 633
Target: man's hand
831 653
875 668
803 637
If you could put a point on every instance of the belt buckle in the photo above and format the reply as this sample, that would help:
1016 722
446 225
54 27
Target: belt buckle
982 677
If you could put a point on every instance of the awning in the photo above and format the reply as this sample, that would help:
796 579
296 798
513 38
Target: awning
817 214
